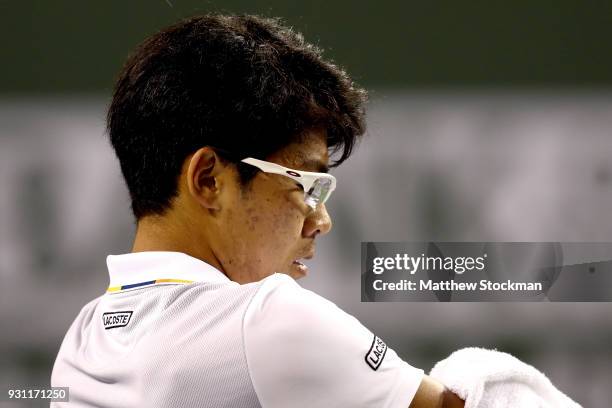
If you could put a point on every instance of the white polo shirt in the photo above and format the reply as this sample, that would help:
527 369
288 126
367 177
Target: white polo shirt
172 331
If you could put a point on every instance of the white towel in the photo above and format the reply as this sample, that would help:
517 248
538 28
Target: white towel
492 379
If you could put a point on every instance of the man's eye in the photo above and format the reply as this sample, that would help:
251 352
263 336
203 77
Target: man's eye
301 187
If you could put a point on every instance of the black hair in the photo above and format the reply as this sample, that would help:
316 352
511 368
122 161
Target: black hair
244 84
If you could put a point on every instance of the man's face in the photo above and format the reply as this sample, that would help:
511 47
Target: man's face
267 227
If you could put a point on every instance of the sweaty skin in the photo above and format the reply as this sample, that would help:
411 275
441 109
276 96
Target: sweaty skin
251 232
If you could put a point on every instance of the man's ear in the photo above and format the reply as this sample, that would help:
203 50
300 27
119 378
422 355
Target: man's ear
203 182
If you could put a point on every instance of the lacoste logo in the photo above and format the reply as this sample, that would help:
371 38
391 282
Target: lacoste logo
116 319
376 354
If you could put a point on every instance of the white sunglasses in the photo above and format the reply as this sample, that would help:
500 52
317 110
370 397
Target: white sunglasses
317 186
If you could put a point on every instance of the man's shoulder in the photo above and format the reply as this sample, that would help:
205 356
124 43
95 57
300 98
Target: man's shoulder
282 305
280 293
87 311
296 339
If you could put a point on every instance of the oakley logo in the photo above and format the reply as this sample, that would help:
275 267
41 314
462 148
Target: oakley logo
376 354
293 173
116 319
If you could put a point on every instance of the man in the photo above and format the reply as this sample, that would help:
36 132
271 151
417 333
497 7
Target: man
223 127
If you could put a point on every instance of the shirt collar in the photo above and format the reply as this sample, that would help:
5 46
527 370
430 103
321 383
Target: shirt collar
138 269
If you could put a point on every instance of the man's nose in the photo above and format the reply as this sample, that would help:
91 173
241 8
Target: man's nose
317 222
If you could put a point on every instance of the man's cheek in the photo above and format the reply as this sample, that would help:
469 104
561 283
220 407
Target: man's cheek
287 223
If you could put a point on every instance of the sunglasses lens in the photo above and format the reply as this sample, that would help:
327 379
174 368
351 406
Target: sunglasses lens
319 192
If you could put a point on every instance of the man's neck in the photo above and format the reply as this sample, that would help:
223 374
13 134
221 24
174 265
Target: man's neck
159 233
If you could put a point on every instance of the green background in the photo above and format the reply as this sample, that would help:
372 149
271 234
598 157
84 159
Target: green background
69 46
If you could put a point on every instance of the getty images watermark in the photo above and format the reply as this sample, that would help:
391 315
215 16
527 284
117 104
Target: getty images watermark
481 271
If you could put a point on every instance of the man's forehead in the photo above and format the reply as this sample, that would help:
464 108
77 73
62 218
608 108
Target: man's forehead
310 154
318 165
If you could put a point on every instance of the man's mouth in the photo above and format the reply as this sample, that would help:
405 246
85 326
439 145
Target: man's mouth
298 269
